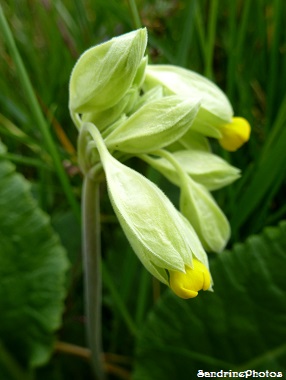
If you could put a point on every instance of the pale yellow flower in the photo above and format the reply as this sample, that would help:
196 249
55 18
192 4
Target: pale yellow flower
188 284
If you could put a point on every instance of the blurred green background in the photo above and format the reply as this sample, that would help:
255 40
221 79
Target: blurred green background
241 46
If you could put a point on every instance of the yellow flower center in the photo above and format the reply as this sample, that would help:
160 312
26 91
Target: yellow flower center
234 134
187 285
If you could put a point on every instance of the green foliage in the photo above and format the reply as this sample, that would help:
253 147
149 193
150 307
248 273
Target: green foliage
241 326
240 44
32 273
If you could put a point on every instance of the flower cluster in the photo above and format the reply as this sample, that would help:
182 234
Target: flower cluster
124 107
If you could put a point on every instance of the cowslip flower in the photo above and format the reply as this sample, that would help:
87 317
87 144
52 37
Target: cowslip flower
200 208
124 107
105 73
161 237
215 117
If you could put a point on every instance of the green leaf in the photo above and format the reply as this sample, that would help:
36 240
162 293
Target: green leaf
241 326
32 272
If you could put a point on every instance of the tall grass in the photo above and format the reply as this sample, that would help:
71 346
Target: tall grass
241 45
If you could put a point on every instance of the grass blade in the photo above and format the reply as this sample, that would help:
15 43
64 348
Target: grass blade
37 114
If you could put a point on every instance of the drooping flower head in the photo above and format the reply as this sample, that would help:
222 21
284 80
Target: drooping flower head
123 107
161 237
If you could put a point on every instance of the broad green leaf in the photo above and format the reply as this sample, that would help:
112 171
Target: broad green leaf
241 326
32 272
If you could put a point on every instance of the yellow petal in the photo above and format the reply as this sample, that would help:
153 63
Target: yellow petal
187 285
235 134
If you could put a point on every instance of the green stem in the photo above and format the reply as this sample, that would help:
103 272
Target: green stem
135 14
92 271
168 156
37 114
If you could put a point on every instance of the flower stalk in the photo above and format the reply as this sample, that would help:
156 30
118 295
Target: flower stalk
92 271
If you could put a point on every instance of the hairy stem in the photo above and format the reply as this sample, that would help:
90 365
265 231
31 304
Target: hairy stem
92 271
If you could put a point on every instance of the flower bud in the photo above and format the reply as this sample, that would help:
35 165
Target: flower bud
215 116
187 83
154 125
187 285
204 167
200 208
162 239
104 73
234 134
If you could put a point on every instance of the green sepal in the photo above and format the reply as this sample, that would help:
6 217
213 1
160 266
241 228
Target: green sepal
140 73
103 119
202 211
154 125
104 73
154 94
204 167
195 141
187 83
